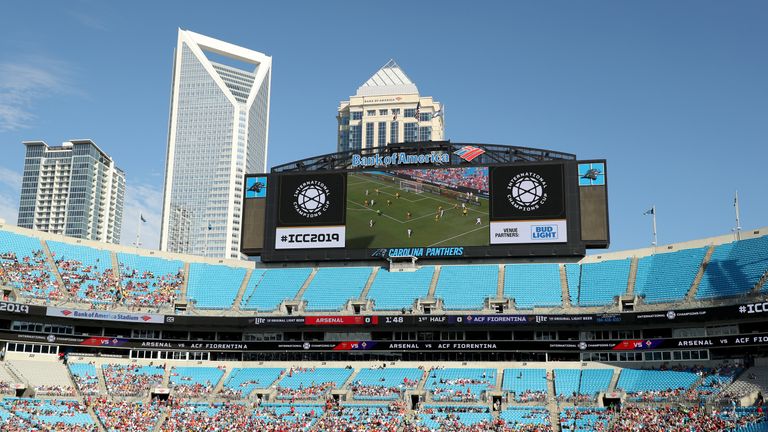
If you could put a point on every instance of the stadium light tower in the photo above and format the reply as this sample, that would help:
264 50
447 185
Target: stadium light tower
738 216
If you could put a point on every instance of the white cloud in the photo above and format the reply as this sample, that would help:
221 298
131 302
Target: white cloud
10 186
25 81
10 178
146 200
9 208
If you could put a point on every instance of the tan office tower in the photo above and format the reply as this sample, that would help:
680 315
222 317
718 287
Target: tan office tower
388 109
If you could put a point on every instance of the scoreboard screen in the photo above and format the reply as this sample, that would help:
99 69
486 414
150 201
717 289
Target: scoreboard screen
434 211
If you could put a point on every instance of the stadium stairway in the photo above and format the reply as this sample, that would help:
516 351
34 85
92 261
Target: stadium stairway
554 413
614 379
54 270
300 292
433 283
760 283
632 276
185 283
219 385
100 379
564 287
241 291
364 294
96 419
500 285
691 296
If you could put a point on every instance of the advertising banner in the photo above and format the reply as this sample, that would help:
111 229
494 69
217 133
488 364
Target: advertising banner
106 315
310 237
542 231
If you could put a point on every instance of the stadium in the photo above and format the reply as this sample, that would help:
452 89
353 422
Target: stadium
491 337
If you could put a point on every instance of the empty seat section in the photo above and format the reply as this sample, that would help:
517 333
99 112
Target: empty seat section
594 381
150 281
602 281
567 383
533 285
668 277
47 378
268 288
86 272
398 290
242 381
460 384
467 287
330 289
735 268
23 265
213 286
528 385
383 384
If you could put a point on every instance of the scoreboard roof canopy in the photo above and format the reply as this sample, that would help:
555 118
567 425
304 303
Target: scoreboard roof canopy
460 153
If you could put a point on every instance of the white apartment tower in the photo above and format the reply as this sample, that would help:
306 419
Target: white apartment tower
388 109
74 190
218 131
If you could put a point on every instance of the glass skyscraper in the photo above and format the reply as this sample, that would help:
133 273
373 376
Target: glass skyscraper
74 190
218 131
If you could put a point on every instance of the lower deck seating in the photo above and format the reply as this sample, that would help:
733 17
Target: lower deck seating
585 419
520 417
84 375
384 383
286 417
131 379
242 381
460 385
121 416
527 385
655 385
58 415
311 383
194 381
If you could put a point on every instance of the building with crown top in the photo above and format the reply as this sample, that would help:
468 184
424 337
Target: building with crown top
388 109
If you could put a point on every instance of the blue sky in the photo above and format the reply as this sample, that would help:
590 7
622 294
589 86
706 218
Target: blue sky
673 94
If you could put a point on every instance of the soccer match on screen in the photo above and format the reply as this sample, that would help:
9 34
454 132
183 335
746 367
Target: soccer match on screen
351 216
418 207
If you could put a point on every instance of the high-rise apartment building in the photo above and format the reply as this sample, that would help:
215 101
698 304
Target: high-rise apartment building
218 131
75 190
388 109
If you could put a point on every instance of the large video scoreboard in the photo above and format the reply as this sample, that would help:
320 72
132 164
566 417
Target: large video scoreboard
422 205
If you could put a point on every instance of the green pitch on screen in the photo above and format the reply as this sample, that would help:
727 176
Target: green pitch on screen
391 222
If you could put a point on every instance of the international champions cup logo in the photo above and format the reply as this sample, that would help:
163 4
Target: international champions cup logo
310 199
527 191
